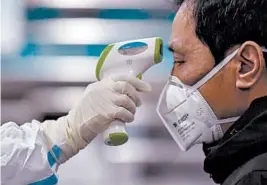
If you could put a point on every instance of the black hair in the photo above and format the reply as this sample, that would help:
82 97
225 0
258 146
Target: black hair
221 24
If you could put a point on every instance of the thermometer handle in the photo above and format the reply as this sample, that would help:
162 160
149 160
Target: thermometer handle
116 134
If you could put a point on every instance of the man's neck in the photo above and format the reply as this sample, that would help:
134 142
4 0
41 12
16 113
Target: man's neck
226 126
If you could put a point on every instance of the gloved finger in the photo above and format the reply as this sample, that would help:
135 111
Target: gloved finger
122 100
140 85
123 114
127 89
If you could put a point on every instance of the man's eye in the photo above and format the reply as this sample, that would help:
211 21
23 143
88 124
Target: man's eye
179 62
170 49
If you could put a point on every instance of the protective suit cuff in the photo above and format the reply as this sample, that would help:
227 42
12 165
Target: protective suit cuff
53 155
51 180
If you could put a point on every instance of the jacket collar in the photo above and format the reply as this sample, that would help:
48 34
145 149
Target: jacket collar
244 140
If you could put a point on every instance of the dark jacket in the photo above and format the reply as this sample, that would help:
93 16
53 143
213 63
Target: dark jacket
240 157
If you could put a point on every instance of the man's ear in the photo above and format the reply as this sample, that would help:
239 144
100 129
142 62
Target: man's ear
250 65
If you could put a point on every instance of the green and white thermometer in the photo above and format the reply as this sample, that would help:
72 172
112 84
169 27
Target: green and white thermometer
133 58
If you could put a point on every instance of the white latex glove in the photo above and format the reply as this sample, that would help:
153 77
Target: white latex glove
102 102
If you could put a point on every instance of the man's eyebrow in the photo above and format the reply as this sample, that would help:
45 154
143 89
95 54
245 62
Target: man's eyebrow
175 47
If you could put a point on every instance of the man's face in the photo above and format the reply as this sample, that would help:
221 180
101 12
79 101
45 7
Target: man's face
193 60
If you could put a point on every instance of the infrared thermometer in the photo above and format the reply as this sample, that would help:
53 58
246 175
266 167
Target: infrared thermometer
133 58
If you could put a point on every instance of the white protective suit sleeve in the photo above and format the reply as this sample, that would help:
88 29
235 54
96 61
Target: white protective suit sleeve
25 158
29 152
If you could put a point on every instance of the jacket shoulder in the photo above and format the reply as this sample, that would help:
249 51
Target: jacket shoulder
254 172
258 177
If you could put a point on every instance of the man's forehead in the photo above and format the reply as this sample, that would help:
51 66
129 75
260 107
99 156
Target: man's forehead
183 29
181 40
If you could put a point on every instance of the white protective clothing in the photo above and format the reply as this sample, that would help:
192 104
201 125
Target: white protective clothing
29 152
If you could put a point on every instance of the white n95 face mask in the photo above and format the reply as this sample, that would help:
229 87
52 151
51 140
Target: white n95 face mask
215 133
187 115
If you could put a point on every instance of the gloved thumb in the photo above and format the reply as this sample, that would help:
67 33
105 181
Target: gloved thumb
140 85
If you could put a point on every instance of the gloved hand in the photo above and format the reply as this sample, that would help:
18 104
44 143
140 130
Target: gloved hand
102 102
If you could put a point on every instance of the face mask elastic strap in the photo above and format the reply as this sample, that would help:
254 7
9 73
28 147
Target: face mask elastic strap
215 70
227 120
218 68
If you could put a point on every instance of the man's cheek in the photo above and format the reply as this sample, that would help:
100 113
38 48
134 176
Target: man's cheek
187 73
